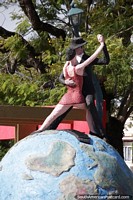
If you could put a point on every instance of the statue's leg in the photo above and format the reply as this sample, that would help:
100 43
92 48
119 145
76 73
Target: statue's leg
98 96
94 122
57 121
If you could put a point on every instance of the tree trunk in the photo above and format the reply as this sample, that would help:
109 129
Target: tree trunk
115 134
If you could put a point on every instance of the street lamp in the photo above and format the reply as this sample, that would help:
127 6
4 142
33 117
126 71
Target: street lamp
74 15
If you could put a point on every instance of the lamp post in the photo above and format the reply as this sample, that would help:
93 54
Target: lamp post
74 15
131 39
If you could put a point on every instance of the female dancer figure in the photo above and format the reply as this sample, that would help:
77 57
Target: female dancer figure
73 96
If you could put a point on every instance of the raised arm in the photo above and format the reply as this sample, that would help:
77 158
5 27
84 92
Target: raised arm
80 67
103 60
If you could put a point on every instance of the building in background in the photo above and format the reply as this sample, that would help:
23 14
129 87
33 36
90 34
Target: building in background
128 143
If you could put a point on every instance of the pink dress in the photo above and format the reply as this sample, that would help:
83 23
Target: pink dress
73 94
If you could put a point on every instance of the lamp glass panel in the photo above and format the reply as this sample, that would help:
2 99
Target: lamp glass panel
75 19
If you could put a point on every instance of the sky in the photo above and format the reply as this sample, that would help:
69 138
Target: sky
5 19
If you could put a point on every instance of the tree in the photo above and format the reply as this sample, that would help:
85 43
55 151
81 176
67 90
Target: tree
44 52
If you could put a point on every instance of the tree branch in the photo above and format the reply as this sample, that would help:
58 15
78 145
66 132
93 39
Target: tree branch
29 61
129 112
125 104
5 33
29 10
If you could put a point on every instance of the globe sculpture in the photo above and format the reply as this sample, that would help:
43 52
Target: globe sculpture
61 165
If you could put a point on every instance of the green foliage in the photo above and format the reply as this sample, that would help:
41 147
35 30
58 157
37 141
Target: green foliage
41 43
55 95
23 27
51 9
119 67
111 18
5 145
15 45
15 90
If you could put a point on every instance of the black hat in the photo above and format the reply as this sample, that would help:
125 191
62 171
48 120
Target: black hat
77 42
70 53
